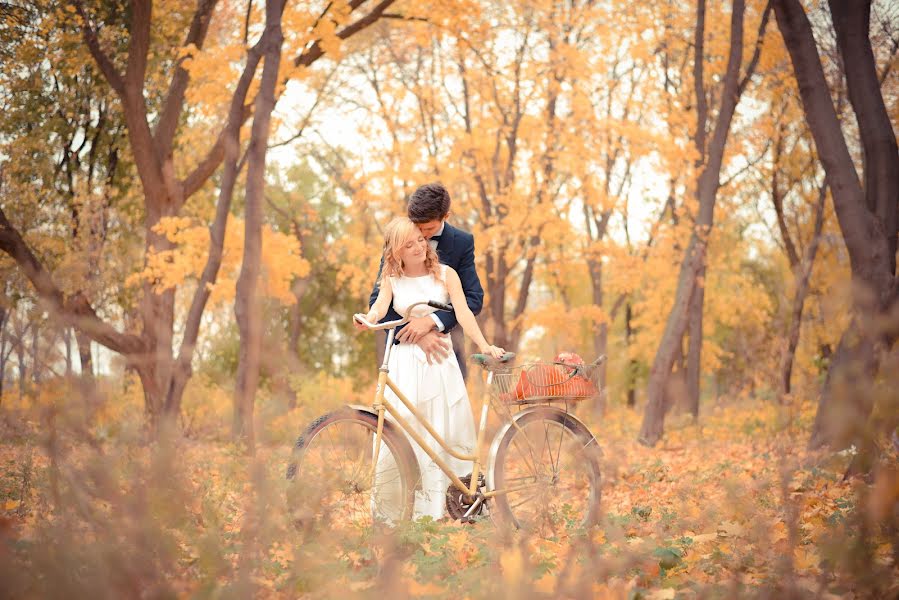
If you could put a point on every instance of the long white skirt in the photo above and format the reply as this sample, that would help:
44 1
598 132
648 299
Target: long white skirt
438 392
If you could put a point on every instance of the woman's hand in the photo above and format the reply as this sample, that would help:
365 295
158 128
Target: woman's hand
371 317
493 351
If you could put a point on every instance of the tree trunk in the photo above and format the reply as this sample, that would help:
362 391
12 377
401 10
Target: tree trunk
601 337
851 20
35 349
867 216
676 386
694 344
694 308
159 322
247 305
4 318
846 401
656 390
293 346
803 275
153 396
84 353
631 363
23 370
231 143
496 287
20 353
67 340
694 260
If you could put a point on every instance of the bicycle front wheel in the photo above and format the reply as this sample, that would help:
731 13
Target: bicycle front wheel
332 478
546 472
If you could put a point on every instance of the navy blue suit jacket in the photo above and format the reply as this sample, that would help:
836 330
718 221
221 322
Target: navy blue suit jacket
456 250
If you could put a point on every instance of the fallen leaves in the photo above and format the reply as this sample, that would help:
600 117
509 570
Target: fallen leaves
711 513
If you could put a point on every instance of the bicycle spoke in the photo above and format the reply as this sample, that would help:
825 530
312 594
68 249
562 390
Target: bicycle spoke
522 478
545 451
546 425
530 451
337 463
523 502
559 452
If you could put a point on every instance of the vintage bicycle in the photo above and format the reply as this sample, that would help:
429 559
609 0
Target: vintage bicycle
357 464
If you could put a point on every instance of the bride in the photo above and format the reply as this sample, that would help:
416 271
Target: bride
412 273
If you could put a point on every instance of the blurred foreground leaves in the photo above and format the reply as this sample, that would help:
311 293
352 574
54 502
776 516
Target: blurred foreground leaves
731 507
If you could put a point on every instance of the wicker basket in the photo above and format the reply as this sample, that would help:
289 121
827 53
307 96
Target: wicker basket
547 382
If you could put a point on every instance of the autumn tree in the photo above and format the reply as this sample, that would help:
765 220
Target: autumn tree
785 180
866 207
612 96
62 130
149 76
246 306
688 301
303 203
484 103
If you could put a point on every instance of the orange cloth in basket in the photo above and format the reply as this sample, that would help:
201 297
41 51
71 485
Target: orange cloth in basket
549 380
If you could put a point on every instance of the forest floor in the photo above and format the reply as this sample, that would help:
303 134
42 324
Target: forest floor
730 506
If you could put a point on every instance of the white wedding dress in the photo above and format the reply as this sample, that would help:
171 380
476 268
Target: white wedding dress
438 392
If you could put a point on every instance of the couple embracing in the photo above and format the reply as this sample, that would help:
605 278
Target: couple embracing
426 258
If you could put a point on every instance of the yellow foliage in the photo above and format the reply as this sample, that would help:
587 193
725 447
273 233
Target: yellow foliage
282 261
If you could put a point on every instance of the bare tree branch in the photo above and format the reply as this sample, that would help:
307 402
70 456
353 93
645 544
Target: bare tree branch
754 61
307 119
73 310
203 171
138 46
93 44
315 51
174 100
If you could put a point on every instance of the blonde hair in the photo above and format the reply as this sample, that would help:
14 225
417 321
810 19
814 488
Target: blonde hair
395 235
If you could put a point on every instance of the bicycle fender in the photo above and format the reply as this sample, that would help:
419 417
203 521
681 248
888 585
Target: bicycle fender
494 445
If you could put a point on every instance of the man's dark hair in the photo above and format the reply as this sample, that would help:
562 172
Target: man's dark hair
430 202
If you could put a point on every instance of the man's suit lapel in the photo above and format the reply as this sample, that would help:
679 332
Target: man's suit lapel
446 244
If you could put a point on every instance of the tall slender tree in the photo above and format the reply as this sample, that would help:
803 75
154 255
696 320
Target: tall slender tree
247 307
867 207
688 299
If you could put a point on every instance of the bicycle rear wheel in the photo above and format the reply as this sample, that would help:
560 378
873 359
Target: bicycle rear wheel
331 471
546 468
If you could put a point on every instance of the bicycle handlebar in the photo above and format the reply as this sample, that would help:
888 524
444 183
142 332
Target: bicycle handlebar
440 305
360 318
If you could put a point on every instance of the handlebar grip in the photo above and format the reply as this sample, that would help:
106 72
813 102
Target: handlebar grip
483 359
440 305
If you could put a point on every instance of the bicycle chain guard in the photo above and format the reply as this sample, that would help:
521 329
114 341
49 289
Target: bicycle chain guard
456 504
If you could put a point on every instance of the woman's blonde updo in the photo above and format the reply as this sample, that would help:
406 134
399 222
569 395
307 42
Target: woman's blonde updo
395 235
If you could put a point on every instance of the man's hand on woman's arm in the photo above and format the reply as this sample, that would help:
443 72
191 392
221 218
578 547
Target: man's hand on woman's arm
436 346
415 329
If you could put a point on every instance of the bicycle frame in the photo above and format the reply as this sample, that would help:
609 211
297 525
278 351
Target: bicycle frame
383 406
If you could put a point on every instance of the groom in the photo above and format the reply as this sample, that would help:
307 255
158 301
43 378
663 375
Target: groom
428 208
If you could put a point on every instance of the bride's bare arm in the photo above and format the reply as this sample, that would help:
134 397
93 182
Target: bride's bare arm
465 317
379 308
